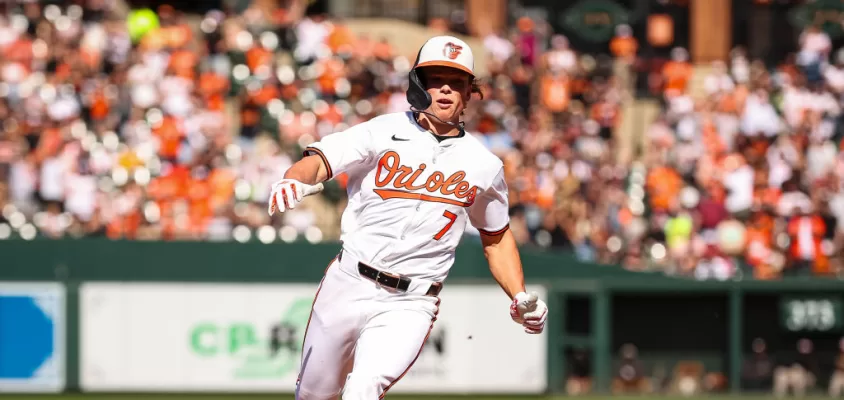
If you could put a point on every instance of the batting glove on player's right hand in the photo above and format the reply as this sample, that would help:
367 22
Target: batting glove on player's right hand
529 311
286 193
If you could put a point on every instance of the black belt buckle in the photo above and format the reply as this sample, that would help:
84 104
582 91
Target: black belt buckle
393 281
384 278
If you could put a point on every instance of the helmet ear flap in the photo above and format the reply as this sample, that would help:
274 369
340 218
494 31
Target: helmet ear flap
417 96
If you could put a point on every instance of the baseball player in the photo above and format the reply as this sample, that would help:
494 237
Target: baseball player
415 179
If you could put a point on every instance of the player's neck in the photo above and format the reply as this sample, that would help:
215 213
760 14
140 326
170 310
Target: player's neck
438 128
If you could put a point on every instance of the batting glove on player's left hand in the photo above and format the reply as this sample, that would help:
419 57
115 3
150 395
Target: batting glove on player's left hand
529 311
286 193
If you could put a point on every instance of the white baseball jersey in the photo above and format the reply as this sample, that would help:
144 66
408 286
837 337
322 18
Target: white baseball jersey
410 195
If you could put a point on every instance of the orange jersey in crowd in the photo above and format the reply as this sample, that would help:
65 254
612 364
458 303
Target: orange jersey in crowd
677 75
663 184
555 93
624 47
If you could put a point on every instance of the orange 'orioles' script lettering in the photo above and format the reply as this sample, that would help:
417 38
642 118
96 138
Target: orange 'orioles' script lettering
403 180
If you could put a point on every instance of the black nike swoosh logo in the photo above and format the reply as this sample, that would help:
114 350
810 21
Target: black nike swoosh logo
399 139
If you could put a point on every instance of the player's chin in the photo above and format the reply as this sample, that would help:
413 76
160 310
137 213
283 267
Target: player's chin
448 114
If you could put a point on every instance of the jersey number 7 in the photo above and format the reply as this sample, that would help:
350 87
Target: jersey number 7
451 217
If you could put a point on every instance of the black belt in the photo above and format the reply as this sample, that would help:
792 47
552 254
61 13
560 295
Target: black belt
392 281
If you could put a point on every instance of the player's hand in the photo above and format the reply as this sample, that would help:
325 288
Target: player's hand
529 311
287 193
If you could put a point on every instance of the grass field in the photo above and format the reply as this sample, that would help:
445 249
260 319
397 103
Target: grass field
396 397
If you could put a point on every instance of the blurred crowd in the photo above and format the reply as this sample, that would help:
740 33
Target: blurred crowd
159 125
740 174
746 178
154 124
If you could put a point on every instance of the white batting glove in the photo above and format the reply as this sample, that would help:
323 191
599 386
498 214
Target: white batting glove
529 311
287 193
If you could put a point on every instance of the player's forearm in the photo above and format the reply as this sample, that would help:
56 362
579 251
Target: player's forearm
310 170
504 262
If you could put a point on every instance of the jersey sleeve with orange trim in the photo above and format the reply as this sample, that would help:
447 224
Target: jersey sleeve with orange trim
343 151
489 214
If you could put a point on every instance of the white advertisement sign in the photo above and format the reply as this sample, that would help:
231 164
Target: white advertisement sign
248 338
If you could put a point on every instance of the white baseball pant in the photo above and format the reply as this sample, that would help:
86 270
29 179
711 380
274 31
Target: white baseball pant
361 337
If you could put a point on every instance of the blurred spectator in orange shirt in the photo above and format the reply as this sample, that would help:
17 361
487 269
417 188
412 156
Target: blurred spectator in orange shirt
677 72
623 45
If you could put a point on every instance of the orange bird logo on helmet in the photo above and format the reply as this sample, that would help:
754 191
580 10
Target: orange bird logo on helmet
451 50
